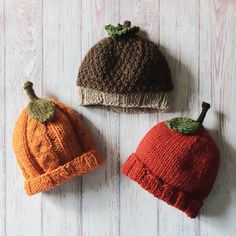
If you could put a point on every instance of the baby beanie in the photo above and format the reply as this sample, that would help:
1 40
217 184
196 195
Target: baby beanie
124 72
51 144
177 161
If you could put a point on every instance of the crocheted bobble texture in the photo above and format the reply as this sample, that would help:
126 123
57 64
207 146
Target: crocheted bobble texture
125 65
176 168
121 30
50 153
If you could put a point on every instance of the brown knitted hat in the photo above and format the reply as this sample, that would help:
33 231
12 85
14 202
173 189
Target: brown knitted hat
124 72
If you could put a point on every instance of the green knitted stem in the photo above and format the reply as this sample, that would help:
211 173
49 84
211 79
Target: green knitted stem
121 30
40 109
184 125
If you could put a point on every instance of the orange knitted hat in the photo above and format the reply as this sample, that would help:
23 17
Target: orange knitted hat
177 161
51 144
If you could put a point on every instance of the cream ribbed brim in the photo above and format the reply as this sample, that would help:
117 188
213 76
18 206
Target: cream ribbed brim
131 102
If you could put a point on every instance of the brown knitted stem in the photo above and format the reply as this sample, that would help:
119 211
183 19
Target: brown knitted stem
28 86
205 108
126 24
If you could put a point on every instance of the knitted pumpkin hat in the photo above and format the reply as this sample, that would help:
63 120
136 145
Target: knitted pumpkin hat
51 144
177 161
124 72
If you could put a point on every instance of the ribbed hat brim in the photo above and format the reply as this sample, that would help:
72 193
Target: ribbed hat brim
130 102
76 167
137 171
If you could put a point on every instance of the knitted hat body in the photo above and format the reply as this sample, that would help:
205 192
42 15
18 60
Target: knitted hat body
176 168
126 73
52 152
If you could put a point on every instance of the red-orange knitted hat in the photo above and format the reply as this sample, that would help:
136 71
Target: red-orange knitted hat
177 161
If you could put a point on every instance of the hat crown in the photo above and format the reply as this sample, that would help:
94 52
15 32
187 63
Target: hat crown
125 65
186 162
44 146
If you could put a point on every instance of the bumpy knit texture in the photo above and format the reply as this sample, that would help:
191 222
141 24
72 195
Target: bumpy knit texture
125 65
39 109
51 152
177 168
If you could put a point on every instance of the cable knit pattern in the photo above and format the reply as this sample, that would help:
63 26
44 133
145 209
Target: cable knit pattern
176 168
125 65
52 152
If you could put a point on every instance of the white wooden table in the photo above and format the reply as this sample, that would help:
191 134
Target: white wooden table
45 40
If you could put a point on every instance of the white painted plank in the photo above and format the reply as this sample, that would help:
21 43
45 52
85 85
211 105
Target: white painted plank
23 61
61 55
179 38
2 122
181 42
139 212
101 188
218 63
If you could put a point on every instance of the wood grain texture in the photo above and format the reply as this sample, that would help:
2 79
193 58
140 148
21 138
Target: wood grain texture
23 61
102 185
135 214
45 42
181 44
2 122
61 208
218 65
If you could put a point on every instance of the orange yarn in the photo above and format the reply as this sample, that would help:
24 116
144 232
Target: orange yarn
52 152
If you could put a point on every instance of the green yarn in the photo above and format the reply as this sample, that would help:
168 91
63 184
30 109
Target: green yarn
184 125
40 109
121 30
